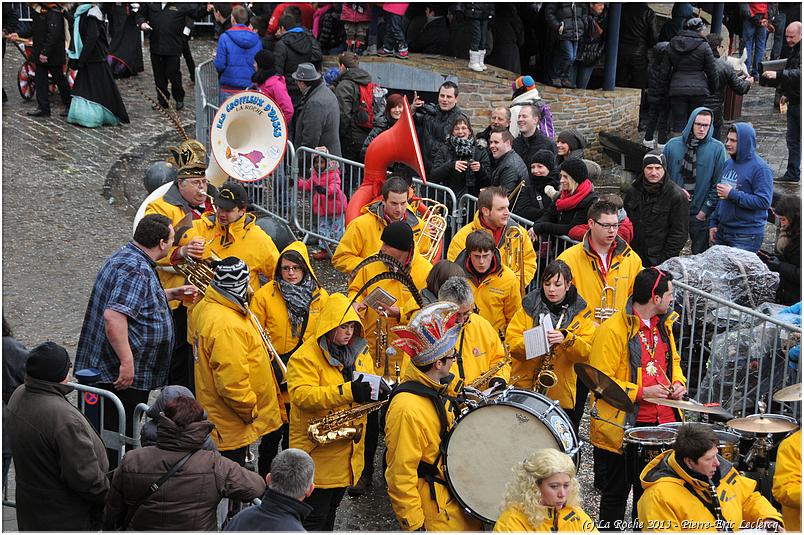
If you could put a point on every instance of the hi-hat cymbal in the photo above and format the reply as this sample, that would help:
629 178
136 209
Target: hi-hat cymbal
788 393
762 423
604 387
690 405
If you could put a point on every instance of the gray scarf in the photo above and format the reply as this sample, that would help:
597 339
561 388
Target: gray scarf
297 299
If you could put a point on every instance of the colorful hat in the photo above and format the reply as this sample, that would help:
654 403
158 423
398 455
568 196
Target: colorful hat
430 335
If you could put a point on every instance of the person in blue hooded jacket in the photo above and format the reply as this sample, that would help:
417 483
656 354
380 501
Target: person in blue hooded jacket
745 192
695 161
234 60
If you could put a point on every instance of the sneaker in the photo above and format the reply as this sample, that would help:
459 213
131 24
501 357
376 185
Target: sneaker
371 50
383 53
555 82
402 54
360 487
660 146
321 255
651 144
179 105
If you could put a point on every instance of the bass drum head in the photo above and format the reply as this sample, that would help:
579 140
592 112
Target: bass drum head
484 447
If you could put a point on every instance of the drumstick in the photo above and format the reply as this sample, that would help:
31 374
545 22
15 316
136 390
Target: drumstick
669 385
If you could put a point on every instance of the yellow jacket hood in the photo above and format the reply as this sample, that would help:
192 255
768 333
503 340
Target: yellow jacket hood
301 249
336 312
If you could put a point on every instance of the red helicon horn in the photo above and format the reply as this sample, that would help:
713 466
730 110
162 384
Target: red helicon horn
397 144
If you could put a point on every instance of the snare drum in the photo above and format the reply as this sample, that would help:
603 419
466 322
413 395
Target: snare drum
487 442
643 444
728 441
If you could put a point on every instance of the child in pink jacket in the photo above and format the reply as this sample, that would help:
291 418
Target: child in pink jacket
356 18
271 84
328 202
394 36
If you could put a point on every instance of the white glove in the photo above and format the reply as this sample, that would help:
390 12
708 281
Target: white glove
186 31
551 192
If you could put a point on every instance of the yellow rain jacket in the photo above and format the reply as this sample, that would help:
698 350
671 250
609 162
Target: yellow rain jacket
617 352
497 296
244 239
270 308
317 388
480 348
419 269
233 376
362 237
587 276
458 244
413 435
578 329
570 518
667 505
787 481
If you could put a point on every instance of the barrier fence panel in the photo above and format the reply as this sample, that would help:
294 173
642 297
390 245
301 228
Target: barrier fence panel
139 420
275 192
92 402
206 100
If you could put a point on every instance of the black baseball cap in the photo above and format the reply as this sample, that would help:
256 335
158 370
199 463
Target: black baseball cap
232 195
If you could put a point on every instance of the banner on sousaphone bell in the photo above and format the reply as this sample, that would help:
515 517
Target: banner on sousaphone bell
247 139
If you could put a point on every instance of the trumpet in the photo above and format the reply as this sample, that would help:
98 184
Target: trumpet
546 378
198 272
606 310
341 425
279 368
514 250
435 224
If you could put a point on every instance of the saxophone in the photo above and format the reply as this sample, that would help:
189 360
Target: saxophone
341 425
546 378
481 380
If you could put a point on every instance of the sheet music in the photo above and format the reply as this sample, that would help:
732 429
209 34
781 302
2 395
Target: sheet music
379 297
536 343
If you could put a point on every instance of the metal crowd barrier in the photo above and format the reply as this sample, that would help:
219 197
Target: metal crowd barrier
91 402
206 100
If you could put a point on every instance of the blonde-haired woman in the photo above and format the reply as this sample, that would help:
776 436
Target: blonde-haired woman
543 496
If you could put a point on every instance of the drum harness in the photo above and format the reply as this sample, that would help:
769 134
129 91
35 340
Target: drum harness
714 507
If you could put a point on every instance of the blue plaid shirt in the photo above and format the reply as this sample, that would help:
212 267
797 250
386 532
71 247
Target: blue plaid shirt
127 283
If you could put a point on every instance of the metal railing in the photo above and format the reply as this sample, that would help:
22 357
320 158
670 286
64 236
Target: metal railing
206 100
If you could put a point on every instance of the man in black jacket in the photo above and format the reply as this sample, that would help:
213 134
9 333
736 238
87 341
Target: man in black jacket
638 33
433 122
510 170
659 211
530 140
296 45
167 23
48 52
347 90
433 36
789 79
282 509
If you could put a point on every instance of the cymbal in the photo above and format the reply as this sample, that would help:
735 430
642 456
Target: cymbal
788 393
603 386
762 423
690 405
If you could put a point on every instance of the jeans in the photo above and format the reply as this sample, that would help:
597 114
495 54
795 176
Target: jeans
681 107
130 398
746 242
793 139
778 35
580 75
325 504
755 38
699 234
394 38
563 59
480 28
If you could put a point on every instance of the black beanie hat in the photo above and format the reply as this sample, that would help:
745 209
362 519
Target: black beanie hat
48 362
398 235
545 157
654 157
575 168
572 137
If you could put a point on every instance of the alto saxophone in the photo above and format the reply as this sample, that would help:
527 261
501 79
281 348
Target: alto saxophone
546 378
481 380
340 425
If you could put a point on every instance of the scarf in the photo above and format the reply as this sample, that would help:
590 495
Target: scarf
77 42
464 147
297 299
568 201
557 308
690 162
497 234
346 357
651 188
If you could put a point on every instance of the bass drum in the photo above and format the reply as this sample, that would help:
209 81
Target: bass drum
487 442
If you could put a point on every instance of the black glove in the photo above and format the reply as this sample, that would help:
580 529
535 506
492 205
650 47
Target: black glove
385 391
320 189
537 228
773 263
361 391
421 528
497 382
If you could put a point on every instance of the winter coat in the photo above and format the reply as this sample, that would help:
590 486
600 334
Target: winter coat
497 293
556 222
527 147
413 435
533 202
149 433
235 57
789 78
60 462
318 122
433 126
667 503
570 519
381 124
432 39
333 202
276 512
362 236
443 171
189 499
789 290
347 92
307 13
726 77
787 481
509 36
682 11
233 377
637 30
509 171
587 276
693 65
710 160
166 37
458 244
397 8
546 116
617 352
48 34
14 358
745 210
578 328
276 89
350 14
318 385
659 74
571 14
661 220
295 46
480 349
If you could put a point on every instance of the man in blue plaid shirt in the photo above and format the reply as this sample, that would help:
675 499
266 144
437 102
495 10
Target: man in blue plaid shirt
127 333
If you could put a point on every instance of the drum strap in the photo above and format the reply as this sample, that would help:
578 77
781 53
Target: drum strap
713 508
459 360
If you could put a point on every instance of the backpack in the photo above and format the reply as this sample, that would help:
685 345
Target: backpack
371 104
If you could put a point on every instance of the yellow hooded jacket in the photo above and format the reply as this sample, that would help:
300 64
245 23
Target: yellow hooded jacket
458 244
586 274
412 435
578 329
667 505
317 388
244 239
617 352
480 348
787 481
570 518
362 237
233 376
497 296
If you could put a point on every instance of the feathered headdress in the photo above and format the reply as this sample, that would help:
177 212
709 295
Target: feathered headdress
430 335
191 153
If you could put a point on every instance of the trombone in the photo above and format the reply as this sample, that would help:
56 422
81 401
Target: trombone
514 250
513 197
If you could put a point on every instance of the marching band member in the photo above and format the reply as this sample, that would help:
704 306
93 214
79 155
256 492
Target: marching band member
419 418
571 341
787 480
288 308
324 376
441 272
478 348
233 376
230 232
692 488
362 236
496 287
544 496
637 349
493 217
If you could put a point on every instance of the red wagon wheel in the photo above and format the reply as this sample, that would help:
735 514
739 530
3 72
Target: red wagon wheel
25 80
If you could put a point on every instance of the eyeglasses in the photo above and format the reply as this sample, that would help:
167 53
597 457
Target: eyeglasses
291 269
701 125
608 226
197 182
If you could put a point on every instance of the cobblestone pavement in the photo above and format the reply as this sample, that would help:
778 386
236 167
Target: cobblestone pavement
58 227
